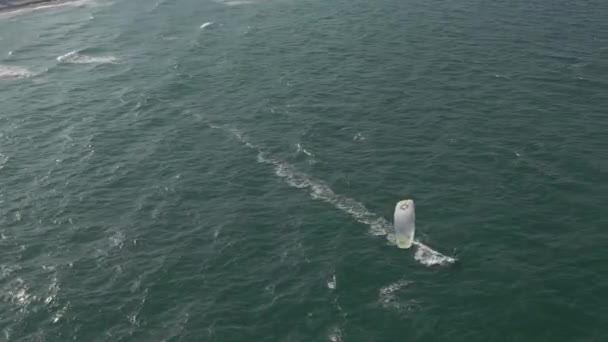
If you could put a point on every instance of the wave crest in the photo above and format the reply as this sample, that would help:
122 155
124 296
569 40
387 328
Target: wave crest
14 72
74 57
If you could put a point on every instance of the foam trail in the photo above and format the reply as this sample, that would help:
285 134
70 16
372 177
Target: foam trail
388 296
206 24
237 2
56 4
429 257
303 150
331 284
14 72
320 191
75 58
335 335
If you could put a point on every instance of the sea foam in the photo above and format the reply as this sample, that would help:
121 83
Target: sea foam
318 190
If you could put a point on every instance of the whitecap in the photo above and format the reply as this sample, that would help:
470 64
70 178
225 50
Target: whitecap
335 335
60 313
14 72
73 57
17 292
388 297
206 25
52 5
237 2
429 257
117 240
52 291
309 155
387 292
331 284
301 149
3 160
7 270
133 320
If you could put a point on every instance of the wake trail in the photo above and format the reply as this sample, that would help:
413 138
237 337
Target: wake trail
318 190
74 57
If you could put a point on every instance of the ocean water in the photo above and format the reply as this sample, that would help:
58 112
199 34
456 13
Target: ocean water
227 170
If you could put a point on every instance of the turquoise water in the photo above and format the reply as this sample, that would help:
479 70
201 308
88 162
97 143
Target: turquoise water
163 181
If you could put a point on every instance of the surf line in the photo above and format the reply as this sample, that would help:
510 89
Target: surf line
320 191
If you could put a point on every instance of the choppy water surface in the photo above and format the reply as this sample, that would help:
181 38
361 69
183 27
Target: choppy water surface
227 170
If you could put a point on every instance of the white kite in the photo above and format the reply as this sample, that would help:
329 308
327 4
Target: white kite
405 223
